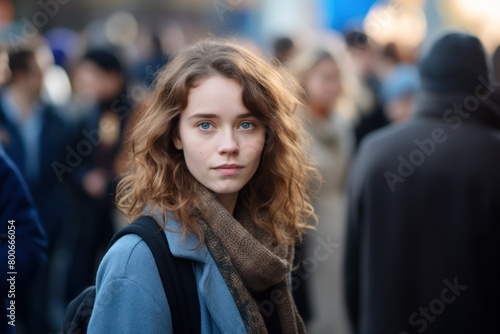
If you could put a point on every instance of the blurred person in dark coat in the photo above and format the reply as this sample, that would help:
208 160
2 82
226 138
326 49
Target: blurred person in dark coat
25 238
34 137
423 250
496 62
98 80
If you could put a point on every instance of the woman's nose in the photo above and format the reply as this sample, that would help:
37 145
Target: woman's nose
228 144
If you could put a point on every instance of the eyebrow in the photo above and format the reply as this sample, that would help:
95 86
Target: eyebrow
217 116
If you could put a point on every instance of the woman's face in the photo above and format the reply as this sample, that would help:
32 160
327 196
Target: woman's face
322 84
221 140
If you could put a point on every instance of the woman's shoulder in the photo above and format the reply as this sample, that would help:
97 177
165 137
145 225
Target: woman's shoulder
129 257
129 293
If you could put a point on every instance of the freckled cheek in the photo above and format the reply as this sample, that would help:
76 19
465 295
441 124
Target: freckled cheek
197 146
259 143
256 140
254 150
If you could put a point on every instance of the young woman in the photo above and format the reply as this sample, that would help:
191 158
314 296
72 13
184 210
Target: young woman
219 159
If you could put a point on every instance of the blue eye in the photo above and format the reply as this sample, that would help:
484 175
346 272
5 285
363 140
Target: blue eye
204 126
247 126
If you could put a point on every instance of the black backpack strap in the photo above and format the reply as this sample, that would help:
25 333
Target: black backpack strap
177 275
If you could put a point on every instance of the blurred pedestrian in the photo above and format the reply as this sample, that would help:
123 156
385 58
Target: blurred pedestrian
320 73
398 93
364 58
34 137
423 220
218 159
284 49
22 236
496 62
100 87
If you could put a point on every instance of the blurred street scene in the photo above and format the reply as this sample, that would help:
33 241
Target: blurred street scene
76 75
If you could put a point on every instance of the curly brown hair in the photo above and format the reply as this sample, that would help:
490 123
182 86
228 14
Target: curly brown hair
157 176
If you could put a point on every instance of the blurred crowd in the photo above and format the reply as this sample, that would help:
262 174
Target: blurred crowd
64 120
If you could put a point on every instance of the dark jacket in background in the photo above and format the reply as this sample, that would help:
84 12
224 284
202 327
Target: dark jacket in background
423 242
30 239
374 119
48 190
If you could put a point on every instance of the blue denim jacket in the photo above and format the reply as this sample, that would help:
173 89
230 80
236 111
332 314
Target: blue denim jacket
130 296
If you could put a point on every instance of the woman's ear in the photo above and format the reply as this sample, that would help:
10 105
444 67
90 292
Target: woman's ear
177 142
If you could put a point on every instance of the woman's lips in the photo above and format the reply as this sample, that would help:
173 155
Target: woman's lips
228 170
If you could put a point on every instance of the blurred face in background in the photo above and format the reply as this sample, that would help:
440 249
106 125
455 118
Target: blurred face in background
322 84
400 110
93 83
30 79
363 59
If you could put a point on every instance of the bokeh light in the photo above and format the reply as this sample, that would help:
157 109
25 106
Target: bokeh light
57 85
480 17
399 22
121 28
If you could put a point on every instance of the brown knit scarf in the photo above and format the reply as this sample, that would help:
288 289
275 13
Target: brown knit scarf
249 261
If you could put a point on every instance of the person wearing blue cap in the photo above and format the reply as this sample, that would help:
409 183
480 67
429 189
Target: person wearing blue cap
422 250
398 92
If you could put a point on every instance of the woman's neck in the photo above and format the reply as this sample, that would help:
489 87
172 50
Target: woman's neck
228 201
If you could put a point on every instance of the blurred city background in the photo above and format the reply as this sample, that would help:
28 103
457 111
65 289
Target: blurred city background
93 63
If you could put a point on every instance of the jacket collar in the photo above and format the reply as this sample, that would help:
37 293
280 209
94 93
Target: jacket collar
180 246
433 105
211 284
